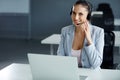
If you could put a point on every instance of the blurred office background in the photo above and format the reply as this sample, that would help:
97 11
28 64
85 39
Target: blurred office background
24 23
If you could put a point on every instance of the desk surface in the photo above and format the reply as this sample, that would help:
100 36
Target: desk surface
23 72
117 38
52 39
117 22
55 39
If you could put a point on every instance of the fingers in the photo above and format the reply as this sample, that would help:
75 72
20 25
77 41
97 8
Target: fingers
85 26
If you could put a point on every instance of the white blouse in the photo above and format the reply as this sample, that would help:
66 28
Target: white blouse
76 53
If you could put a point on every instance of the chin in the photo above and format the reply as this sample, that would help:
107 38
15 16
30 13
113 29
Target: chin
77 25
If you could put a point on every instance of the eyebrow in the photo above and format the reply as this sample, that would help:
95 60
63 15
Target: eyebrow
78 13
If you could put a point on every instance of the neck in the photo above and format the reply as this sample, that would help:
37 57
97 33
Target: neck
78 30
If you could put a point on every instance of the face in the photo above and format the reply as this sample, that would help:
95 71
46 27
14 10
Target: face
79 14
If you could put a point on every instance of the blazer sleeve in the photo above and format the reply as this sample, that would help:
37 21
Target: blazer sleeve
95 50
60 50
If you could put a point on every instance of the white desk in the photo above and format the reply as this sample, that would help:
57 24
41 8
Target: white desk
16 72
52 40
117 22
117 39
55 39
23 72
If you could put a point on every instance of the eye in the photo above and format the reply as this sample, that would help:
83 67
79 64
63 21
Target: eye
73 13
80 14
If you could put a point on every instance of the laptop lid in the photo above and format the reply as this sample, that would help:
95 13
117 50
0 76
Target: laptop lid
51 67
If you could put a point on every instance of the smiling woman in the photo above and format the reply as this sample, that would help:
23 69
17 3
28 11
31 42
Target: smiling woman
82 39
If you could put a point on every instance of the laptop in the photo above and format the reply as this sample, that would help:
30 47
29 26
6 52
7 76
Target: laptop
51 67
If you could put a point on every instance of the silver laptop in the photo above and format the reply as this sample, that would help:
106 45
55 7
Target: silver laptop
51 67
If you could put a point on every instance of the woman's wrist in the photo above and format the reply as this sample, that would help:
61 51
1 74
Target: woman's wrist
89 43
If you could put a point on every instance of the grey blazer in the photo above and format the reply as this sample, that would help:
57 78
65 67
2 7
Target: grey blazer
92 55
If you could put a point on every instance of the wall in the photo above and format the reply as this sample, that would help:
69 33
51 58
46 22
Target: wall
14 26
14 6
14 19
113 3
49 16
46 17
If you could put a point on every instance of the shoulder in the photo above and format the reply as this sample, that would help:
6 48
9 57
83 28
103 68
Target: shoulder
68 28
96 29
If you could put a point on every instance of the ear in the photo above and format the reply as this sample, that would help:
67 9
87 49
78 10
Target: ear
89 16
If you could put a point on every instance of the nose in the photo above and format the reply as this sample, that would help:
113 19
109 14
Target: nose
76 17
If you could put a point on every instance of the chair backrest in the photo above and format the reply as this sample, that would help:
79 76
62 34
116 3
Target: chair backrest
107 20
97 19
107 15
108 50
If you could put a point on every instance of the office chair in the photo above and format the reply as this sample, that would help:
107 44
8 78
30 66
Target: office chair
97 19
108 16
108 50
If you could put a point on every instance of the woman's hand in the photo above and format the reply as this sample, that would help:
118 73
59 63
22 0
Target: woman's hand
87 32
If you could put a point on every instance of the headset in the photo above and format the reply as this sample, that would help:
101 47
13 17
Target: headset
85 3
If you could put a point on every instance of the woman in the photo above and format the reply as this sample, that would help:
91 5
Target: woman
82 39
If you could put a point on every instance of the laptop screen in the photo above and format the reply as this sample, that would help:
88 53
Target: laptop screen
51 67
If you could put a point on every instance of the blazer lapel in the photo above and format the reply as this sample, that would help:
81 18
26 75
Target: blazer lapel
70 36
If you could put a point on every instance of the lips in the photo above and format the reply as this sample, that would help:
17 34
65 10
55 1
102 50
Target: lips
76 22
